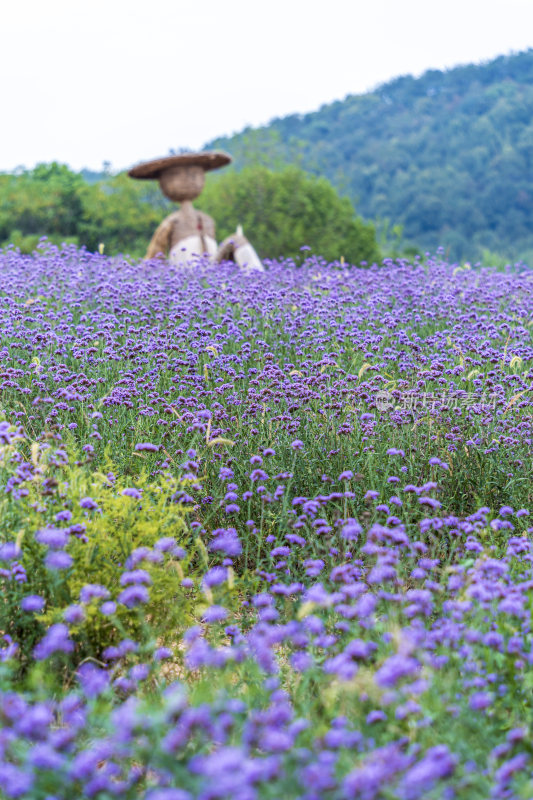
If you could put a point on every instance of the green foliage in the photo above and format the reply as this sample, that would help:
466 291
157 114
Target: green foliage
43 202
281 211
120 213
448 155
102 541
55 202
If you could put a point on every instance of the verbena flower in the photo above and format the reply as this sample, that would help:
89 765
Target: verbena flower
227 541
9 551
58 560
74 614
135 577
131 492
93 680
394 669
55 538
147 447
134 596
32 603
215 614
480 701
15 782
55 640
93 591
88 502
215 576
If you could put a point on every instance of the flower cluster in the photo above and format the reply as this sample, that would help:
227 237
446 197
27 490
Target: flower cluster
227 570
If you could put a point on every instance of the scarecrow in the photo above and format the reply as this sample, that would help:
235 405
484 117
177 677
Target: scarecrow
187 232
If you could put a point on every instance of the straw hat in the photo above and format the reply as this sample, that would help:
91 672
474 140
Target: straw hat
153 169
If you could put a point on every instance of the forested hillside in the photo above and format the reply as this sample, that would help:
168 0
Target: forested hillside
448 155
445 159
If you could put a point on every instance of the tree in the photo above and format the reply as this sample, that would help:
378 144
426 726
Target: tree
282 211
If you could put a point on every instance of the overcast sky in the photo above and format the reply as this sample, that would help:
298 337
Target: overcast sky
85 81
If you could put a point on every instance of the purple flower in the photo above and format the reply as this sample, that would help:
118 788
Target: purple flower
258 475
215 576
215 614
135 576
10 650
165 544
227 542
131 492
394 669
161 653
15 782
134 596
92 591
93 680
429 501
9 551
438 763
35 722
281 551
32 603
58 559
107 608
142 554
505 772
88 502
139 672
375 716
506 511
56 640
85 764
347 475
297 444
74 614
168 794
480 700
55 538
44 757
301 662
147 447
376 771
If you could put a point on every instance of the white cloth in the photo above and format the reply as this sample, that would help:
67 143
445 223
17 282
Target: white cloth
247 258
192 247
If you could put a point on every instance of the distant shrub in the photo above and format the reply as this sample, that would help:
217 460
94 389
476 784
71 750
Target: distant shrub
281 211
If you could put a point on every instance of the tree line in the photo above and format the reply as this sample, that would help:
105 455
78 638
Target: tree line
280 211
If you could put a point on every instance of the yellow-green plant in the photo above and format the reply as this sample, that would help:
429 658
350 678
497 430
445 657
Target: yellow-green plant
68 529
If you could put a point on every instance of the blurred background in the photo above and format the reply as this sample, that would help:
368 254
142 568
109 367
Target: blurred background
362 130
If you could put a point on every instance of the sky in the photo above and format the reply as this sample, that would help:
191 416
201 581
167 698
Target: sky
88 81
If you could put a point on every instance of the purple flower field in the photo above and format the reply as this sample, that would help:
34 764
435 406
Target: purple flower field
265 536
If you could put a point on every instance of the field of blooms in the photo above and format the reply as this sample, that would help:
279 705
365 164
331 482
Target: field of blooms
265 536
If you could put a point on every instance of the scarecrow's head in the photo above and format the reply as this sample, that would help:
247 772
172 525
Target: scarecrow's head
180 177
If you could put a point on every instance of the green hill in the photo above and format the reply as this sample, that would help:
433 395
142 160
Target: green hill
448 155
